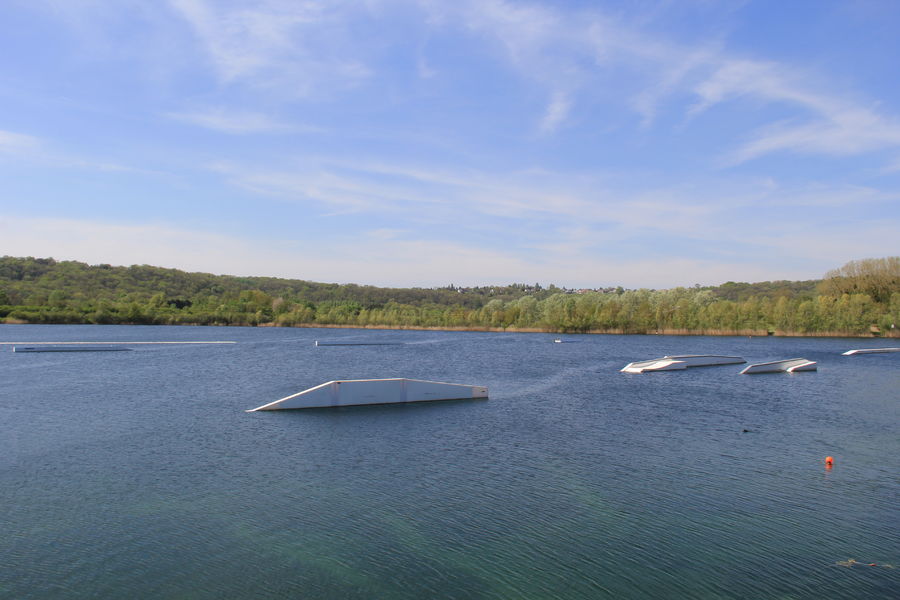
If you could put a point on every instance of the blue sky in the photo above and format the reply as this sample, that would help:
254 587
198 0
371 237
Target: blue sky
425 142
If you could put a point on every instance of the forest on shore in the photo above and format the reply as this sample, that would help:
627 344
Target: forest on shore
862 298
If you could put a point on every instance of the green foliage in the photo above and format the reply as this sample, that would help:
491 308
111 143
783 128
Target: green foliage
851 301
875 277
740 292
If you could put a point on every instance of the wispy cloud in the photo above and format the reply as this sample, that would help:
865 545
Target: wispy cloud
295 47
825 122
329 189
415 192
557 111
840 132
301 49
29 149
14 143
571 50
480 201
237 122
452 143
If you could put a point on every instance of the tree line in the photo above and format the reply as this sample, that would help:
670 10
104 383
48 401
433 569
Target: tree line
861 298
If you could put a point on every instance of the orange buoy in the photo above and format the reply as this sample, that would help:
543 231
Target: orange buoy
829 461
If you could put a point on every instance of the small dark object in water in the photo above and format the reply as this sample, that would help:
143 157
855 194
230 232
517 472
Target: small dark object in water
746 431
852 562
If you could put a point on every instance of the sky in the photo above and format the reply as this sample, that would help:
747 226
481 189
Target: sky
419 143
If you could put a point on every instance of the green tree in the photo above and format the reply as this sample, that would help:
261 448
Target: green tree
877 277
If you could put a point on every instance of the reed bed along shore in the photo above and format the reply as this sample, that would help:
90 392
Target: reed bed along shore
683 332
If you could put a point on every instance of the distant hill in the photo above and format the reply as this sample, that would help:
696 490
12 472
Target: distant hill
35 279
861 298
32 280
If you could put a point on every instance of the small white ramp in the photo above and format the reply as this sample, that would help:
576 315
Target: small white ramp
788 365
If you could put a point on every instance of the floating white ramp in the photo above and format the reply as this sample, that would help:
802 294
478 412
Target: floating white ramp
69 348
788 365
87 346
106 343
870 351
680 362
355 392
319 343
659 364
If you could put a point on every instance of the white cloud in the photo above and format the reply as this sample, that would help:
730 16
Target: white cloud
572 50
32 150
676 68
557 111
833 125
14 143
303 48
416 193
294 47
535 223
236 122
722 217
838 133
333 191
542 45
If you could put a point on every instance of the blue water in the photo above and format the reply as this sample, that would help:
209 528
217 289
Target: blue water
138 474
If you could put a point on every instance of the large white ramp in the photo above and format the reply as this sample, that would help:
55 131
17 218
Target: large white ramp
356 392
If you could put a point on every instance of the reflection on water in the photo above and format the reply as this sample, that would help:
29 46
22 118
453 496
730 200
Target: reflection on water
140 474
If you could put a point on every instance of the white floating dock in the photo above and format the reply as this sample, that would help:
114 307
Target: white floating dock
788 365
104 343
356 392
318 343
869 351
659 364
680 362
70 348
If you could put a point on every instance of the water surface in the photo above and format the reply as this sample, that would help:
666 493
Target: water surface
139 473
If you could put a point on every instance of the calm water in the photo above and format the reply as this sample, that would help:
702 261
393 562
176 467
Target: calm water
138 474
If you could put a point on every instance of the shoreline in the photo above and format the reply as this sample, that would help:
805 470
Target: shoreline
673 332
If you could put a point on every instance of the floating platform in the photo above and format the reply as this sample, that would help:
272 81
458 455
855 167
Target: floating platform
658 364
680 362
104 343
357 392
318 343
70 348
788 365
869 351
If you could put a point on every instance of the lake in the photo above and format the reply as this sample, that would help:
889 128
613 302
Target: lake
138 474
